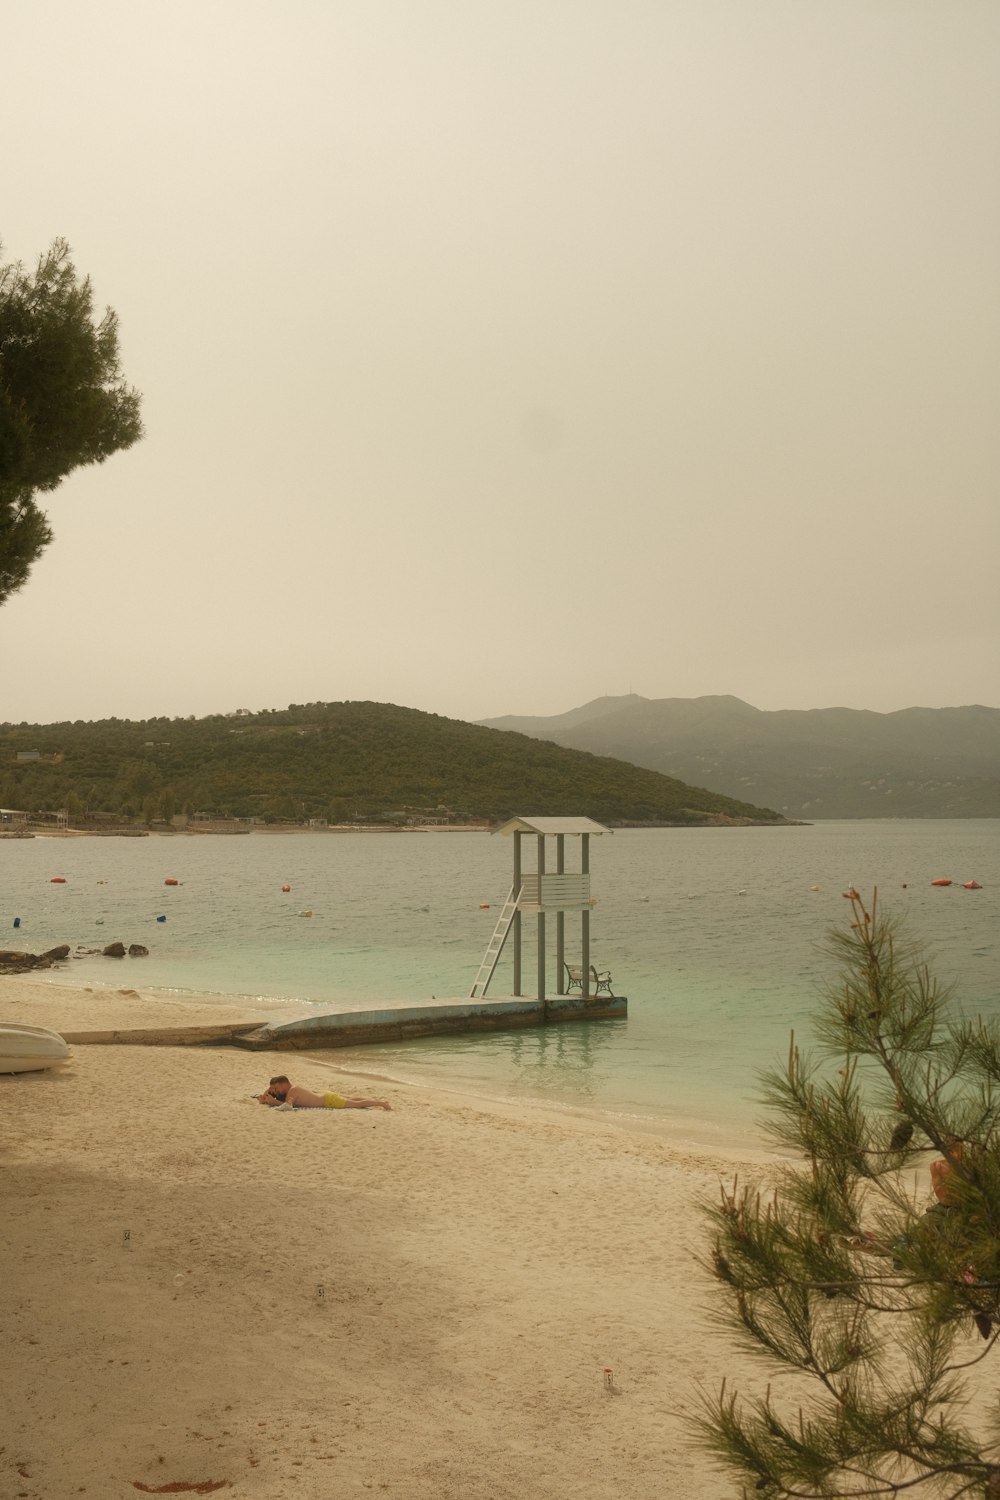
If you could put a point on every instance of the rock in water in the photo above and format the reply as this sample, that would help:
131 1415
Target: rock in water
54 955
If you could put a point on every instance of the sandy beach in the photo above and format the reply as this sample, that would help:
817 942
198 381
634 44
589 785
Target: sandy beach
207 1296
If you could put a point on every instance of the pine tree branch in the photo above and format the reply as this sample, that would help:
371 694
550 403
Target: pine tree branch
795 1266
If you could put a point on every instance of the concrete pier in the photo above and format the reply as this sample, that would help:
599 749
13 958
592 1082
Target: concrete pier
393 1022
396 1023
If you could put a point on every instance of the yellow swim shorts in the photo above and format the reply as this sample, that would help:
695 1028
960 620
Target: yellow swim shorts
333 1101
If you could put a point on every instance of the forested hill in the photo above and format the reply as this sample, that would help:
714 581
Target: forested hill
346 762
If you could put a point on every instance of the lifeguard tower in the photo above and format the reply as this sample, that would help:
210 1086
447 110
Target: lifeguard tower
540 891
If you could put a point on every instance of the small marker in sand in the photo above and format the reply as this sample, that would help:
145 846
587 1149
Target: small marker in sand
126 1239
320 1292
609 1379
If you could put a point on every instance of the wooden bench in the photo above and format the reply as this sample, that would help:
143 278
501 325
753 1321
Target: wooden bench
598 981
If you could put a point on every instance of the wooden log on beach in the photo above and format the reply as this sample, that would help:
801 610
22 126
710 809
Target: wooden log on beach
161 1036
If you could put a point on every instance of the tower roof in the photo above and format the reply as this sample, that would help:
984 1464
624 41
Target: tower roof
551 825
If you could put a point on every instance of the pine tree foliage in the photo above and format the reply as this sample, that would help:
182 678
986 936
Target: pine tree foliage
63 400
879 1312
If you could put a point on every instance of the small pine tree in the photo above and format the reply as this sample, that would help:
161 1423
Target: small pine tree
880 1311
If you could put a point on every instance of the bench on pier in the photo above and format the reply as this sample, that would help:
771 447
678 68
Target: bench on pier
598 981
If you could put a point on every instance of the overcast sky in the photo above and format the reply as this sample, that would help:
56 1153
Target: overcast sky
496 356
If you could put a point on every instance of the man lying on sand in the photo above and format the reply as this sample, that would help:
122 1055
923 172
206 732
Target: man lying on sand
280 1091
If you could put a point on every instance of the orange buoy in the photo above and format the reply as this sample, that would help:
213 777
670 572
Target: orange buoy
971 885
58 880
484 906
941 882
171 882
286 887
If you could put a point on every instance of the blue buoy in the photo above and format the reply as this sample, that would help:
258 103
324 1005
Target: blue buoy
161 919
17 921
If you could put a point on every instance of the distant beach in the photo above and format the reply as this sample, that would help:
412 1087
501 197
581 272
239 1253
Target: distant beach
205 830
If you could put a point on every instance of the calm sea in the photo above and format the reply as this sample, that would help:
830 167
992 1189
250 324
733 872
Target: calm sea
715 935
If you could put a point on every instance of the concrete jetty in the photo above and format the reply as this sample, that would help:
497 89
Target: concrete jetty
392 1022
397 1023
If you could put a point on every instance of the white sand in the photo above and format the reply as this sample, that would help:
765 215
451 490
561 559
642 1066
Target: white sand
480 1267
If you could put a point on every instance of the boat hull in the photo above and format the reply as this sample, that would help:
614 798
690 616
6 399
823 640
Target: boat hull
28 1049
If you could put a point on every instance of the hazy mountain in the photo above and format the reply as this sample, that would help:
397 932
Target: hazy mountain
597 708
814 763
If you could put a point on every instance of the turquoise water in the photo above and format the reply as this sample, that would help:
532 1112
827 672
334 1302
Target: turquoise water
714 935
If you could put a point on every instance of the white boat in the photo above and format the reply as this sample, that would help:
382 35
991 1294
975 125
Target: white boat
25 1049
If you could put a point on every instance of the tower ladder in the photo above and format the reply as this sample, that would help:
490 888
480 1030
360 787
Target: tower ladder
494 947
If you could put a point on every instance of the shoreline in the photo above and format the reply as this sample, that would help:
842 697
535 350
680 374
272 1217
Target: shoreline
362 828
36 999
417 1301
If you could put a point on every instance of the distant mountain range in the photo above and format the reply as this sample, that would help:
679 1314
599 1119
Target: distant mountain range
814 763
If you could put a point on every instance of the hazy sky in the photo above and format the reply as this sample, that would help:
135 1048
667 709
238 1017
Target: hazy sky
499 355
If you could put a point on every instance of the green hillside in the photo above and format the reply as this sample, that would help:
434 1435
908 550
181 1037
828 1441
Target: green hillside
347 762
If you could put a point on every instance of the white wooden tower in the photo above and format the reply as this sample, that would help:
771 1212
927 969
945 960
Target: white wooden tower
540 891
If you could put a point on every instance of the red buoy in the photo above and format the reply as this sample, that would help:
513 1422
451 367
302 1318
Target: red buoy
171 882
58 880
940 882
286 887
971 885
